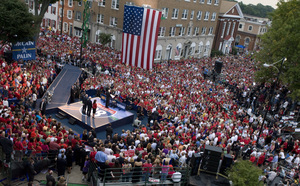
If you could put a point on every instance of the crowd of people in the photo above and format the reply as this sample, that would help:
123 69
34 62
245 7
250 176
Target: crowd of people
186 110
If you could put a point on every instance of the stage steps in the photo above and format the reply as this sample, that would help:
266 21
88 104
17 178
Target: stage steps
61 115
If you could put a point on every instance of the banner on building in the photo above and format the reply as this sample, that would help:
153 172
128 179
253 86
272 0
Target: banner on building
24 50
140 29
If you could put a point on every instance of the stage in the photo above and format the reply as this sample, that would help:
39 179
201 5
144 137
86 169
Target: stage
103 116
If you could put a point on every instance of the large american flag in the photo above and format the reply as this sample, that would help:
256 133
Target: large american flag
140 29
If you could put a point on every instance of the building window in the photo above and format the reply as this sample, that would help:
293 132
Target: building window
175 13
113 21
77 32
247 41
233 28
228 28
165 12
79 4
70 3
27 1
101 3
192 14
161 31
250 28
53 10
53 24
199 15
223 29
237 39
216 2
195 1
172 31
100 18
209 2
115 4
97 36
69 14
189 31
65 27
178 50
200 48
213 16
206 16
78 15
158 52
181 31
60 12
203 31
184 14
202 1
240 25
210 30
196 31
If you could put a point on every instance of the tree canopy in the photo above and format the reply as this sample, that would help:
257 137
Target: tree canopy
282 40
105 38
16 22
244 173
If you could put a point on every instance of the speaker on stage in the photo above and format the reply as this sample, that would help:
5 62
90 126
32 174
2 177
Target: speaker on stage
226 163
211 158
72 121
8 56
195 163
218 66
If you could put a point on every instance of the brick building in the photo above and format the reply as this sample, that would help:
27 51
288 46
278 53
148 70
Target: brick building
249 30
187 28
228 21
68 17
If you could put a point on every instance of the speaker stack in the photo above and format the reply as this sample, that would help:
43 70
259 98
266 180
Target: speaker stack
195 163
226 163
218 66
211 158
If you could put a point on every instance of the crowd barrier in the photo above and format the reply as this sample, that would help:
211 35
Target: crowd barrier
150 176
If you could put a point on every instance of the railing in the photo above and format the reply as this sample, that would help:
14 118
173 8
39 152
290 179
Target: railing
152 176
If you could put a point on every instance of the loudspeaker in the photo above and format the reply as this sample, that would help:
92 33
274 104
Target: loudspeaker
211 158
195 163
218 66
39 51
226 163
8 56
72 121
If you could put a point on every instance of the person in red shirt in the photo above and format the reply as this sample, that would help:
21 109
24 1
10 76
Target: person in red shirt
147 168
252 158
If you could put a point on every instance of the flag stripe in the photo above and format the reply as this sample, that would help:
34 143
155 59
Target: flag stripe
123 48
140 31
128 49
152 39
159 14
132 53
150 31
143 38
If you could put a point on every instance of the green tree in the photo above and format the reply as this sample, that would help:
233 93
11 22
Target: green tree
15 22
105 38
39 13
282 40
244 173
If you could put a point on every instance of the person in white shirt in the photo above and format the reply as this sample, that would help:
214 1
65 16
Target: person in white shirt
297 160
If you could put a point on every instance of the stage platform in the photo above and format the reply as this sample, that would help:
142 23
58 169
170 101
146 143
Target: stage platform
116 116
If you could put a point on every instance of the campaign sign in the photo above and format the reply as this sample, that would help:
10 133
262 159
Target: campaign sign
24 50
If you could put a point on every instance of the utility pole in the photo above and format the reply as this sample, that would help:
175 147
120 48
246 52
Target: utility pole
62 17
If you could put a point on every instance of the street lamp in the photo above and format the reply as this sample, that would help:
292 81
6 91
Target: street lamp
272 92
170 50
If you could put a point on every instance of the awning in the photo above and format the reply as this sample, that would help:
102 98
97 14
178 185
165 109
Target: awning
240 46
